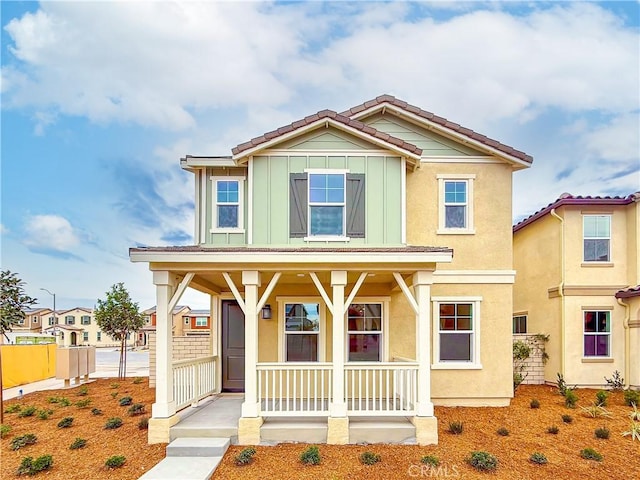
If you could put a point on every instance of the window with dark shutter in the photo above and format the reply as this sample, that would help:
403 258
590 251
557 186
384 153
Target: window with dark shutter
355 205
298 205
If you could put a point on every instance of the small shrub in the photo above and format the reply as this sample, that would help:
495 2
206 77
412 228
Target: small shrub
96 411
82 391
483 461
29 466
631 397
601 398
114 394
595 411
535 403
12 408
65 422
44 414
138 380
311 456
430 460
245 457
567 418
590 454
553 430
602 433
124 401
22 441
84 403
570 399
113 423
634 431
538 458
561 385
4 430
143 423
115 461
115 385
136 409
456 427
616 382
503 432
62 401
78 443
27 411
369 458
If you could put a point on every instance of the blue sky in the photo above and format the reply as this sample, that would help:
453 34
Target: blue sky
101 99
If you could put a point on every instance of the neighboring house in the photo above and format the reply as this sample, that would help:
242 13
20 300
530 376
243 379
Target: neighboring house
578 265
197 322
150 318
359 264
33 320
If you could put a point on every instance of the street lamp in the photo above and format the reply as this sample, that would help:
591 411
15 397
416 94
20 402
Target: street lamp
54 308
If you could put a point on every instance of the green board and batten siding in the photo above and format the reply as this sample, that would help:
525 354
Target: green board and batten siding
271 195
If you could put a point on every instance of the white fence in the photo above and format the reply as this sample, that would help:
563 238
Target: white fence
193 380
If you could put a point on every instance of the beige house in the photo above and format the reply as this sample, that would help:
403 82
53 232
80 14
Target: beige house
33 321
578 267
359 265
178 323
82 325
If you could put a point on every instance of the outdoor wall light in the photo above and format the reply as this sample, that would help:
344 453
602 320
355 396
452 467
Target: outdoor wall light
266 312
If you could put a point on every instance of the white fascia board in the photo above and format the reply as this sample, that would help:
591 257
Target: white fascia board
240 158
191 163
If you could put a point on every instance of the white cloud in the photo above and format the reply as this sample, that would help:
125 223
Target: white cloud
3 230
50 232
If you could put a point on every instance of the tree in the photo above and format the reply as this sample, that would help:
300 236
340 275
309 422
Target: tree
13 303
118 316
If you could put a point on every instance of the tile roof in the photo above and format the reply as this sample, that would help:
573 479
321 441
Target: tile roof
328 114
443 122
629 292
568 199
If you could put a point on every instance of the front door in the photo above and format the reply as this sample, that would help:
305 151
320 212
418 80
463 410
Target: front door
232 347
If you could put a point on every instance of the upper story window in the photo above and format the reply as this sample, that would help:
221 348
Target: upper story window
596 238
455 203
85 320
228 210
69 320
52 320
36 319
519 324
147 319
202 321
597 333
327 205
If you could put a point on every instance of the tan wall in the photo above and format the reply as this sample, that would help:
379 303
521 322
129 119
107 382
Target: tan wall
634 341
633 243
183 348
490 247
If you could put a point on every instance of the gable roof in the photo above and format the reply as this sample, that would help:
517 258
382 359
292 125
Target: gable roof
568 199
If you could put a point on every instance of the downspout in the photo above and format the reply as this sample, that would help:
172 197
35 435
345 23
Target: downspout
561 291
627 342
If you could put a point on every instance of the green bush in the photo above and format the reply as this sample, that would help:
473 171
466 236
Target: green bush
311 456
456 427
96 411
143 424
115 461
535 403
12 408
138 380
601 398
114 394
29 466
113 423
44 414
483 461
590 454
570 399
22 441
4 430
503 432
124 401
28 411
78 443
431 460
538 458
136 409
245 457
561 385
595 411
616 382
65 422
369 458
82 391
62 401
84 403
567 418
602 433
115 385
553 430
631 397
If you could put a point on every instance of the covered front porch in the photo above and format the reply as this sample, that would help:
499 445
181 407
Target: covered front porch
341 395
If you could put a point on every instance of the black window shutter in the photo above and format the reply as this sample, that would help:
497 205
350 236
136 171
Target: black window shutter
297 205
355 205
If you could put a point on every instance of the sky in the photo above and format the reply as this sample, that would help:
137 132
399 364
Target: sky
100 100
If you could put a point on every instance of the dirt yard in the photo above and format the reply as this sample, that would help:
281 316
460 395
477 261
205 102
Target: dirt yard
527 434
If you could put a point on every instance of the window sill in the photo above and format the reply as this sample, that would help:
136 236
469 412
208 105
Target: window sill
596 264
456 366
597 360
456 231
326 239
226 230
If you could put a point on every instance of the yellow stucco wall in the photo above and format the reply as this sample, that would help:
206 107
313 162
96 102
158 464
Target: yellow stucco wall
23 364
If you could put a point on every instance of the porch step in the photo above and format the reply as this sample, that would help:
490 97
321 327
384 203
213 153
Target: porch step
198 447
183 468
216 418
292 429
381 430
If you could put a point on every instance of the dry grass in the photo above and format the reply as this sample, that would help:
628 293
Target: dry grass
527 427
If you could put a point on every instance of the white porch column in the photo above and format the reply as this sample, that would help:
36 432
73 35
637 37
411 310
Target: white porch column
251 282
422 281
338 282
164 406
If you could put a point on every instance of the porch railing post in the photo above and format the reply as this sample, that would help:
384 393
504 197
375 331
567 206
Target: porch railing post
422 281
251 282
338 283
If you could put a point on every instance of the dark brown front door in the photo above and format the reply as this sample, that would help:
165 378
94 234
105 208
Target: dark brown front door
232 347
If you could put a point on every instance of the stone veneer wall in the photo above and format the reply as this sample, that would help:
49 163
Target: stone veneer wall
534 366
191 346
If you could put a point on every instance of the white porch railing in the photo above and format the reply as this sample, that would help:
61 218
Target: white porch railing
294 389
381 388
193 379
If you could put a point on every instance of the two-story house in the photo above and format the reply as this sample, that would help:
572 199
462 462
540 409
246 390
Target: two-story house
32 321
359 264
578 265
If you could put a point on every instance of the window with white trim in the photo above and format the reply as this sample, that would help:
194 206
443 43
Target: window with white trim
364 332
52 320
69 320
228 194
519 324
457 332
85 320
36 319
596 238
455 203
85 336
301 332
597 333
99 336
202 321
326 204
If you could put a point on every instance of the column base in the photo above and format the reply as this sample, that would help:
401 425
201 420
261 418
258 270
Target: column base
159 429
338 430
249 430
426 430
